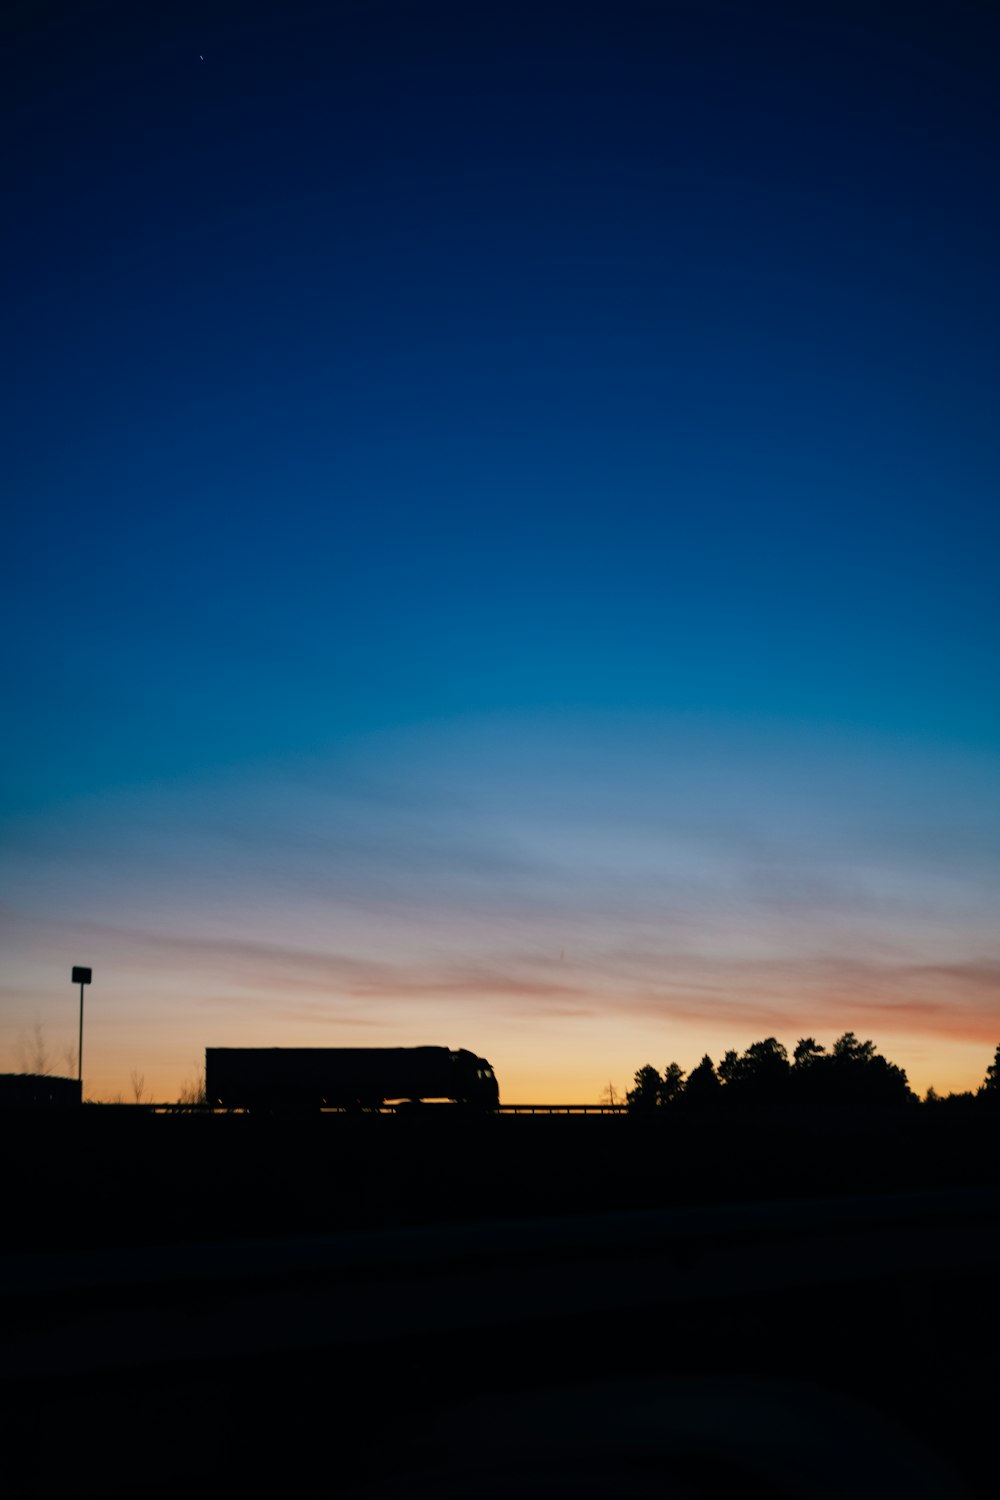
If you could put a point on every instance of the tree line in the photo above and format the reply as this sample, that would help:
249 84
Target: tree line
850 1074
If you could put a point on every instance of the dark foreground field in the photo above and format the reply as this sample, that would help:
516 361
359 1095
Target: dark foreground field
532 1306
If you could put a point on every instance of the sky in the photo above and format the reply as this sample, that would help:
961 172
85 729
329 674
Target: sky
501 538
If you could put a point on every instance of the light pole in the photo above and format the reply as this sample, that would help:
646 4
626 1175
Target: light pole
81 977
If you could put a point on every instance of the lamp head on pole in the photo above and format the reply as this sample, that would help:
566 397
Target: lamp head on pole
82 976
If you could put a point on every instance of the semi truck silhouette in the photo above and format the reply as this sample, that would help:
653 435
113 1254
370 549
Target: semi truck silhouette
348 1078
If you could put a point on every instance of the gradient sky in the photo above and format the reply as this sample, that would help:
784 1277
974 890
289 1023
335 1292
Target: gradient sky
502 533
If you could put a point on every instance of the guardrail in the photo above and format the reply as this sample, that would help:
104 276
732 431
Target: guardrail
167 1108
563 1109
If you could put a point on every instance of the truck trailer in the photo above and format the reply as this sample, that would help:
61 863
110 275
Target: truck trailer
346 1078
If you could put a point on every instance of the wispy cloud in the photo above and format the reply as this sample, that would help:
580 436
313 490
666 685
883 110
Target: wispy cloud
810 990
537 875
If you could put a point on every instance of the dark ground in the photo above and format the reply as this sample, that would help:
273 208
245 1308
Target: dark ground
532 1305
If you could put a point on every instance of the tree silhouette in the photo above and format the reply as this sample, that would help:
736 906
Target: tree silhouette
703 1085
851 1074
807 1050
991 1083
645 1097
862 1076
729 1068
849 1050
768 1058
193 1093
759 1076
655 1091
34 1052
672 1085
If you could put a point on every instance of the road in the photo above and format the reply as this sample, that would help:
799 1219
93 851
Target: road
715 1344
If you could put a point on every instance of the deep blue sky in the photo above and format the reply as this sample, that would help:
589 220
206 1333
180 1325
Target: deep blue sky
408 403
398 361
